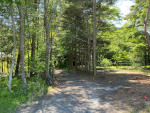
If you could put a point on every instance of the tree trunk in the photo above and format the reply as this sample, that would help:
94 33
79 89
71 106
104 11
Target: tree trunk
17 65
51 53
14 53
2 67
79 55
23 78
7 64
94 37
72 62
32 73
47 41
85 60
145 25
89 54
82 60
76 57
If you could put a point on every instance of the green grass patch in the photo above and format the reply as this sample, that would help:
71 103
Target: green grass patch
10 101
129 68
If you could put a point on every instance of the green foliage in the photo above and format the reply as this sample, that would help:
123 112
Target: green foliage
5 70
16 97
105 62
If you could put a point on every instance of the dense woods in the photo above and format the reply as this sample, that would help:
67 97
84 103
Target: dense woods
38 36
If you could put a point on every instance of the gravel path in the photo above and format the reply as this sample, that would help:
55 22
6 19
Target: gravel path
75 94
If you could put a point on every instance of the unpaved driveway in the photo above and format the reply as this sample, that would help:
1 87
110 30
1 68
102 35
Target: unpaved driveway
76 94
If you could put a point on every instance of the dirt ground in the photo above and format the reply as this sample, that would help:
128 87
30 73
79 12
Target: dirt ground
108 92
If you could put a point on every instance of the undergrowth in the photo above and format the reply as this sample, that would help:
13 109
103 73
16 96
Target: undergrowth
129 68
9 101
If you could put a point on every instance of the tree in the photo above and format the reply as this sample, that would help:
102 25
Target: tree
14 53
145 25
32 73
21 15
94 35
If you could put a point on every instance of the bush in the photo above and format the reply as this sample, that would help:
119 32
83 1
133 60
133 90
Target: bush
16 97
105 62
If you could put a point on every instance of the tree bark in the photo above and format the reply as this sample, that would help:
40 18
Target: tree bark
17 65
7 64
14 53
85 60
94 37
145 25
47 40
76 65
88 31
23 78
2 67
32 73
51 52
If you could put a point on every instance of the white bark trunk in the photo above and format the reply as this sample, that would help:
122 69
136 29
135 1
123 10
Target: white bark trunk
14 53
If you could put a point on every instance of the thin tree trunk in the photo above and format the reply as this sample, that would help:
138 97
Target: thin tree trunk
94 37
2 67
23 78
89 57
28 42
7 64
48 48
14 53
145 25
69 62
76 52
79 55
51 53
85 60
32 73
72 61
17 65
82 60
28 52
47 40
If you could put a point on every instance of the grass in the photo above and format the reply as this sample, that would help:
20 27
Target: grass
129 68
62 68
148 108
9 101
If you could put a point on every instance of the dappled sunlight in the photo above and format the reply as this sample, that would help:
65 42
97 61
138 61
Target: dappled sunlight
77 93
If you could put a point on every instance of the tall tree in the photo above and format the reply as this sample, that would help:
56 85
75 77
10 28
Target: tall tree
145 25
32 73
21 15
14 53
94 37
47 25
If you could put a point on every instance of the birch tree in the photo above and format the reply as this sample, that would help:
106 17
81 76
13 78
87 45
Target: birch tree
47 23
14 52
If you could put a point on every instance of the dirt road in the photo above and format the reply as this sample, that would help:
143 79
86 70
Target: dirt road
79 94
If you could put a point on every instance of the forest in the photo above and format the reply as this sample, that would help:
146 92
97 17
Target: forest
40 37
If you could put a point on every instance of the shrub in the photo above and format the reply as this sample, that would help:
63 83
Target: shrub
16 97
105 62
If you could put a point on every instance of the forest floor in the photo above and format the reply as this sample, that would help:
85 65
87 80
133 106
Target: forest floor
111 91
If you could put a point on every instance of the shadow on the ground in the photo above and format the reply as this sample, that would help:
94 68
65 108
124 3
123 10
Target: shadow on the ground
70 96
137 86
